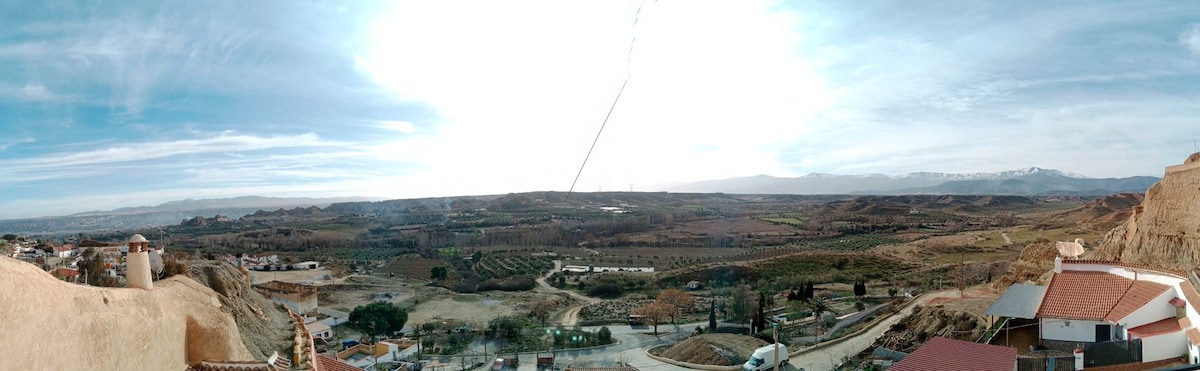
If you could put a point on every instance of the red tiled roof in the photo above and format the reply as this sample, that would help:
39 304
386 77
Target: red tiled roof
1194 336
327 363
1096 295
64 272
1185 322
1082 294
1176 272
1165 326
1139 293
1189 293
948 354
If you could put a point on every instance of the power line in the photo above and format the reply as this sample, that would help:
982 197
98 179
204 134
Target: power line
628 57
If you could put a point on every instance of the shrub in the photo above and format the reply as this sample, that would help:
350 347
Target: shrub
604 335
515 283
605 290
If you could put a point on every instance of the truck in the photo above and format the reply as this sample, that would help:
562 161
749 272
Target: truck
765 358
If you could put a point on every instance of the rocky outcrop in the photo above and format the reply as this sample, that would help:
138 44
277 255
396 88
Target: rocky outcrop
927 322
1165 230
177 323
1031 266
264 326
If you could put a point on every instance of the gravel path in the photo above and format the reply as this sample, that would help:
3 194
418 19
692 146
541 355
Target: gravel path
571 315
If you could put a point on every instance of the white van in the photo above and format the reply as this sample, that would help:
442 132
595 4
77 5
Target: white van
764 358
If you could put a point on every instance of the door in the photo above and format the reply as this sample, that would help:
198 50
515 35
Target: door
1103 333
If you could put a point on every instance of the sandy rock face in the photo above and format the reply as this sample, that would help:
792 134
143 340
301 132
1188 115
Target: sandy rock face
1165 231
179 322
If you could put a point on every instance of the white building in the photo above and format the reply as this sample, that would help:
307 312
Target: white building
1091 301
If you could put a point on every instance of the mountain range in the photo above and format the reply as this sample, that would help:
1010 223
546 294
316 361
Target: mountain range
164 214
1030 181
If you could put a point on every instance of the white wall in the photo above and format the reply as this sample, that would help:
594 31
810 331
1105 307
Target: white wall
1070 330
1164 346
1155 310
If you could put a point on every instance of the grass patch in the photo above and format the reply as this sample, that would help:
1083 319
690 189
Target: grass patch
465 298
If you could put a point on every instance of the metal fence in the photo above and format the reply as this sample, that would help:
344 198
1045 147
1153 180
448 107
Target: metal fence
1046 360
1106 353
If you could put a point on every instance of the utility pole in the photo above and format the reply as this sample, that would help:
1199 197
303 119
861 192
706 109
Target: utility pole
775 334
962 274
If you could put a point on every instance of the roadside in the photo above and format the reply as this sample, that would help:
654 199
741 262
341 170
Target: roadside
830 356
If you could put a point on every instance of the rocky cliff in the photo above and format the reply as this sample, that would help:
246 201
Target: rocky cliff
1165 230
54 325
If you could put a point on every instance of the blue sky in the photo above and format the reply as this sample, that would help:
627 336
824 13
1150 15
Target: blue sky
105 105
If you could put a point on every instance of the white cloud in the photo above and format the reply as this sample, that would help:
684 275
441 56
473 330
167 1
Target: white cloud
1190 38
522 89
4 146
404 127
131 152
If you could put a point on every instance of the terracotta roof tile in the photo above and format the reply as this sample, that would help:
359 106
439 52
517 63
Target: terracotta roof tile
1189 293
1176 272
1082 294
1165 326
948 354
1139 293
1185 322
327 363
1194 336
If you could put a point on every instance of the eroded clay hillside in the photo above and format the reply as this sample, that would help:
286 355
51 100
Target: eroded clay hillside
177 323
1165 230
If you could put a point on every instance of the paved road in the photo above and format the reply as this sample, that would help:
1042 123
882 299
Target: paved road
830 356
845 322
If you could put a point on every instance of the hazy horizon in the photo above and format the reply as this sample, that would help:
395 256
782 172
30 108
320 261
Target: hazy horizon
115 105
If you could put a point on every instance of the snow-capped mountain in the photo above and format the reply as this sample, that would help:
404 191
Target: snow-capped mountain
1028 181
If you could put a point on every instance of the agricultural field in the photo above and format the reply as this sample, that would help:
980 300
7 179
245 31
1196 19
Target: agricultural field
794 220
499 266
411 266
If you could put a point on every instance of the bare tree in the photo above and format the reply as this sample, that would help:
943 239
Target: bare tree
678 300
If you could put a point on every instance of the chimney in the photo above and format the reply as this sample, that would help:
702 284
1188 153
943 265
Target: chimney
1057 264
137 263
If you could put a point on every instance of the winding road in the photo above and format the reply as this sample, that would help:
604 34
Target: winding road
571 315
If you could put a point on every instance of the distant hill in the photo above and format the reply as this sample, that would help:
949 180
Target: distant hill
1103 214
169 213
1028 182
904 204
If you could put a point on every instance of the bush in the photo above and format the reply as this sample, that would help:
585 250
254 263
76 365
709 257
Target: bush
604 335
605 290
515 283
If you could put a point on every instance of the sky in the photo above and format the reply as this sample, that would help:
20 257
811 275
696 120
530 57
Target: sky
116 104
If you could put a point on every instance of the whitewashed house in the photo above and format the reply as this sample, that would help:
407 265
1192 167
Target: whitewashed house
1088 302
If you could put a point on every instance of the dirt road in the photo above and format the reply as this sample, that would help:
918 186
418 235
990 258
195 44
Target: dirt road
1007 240
571 315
